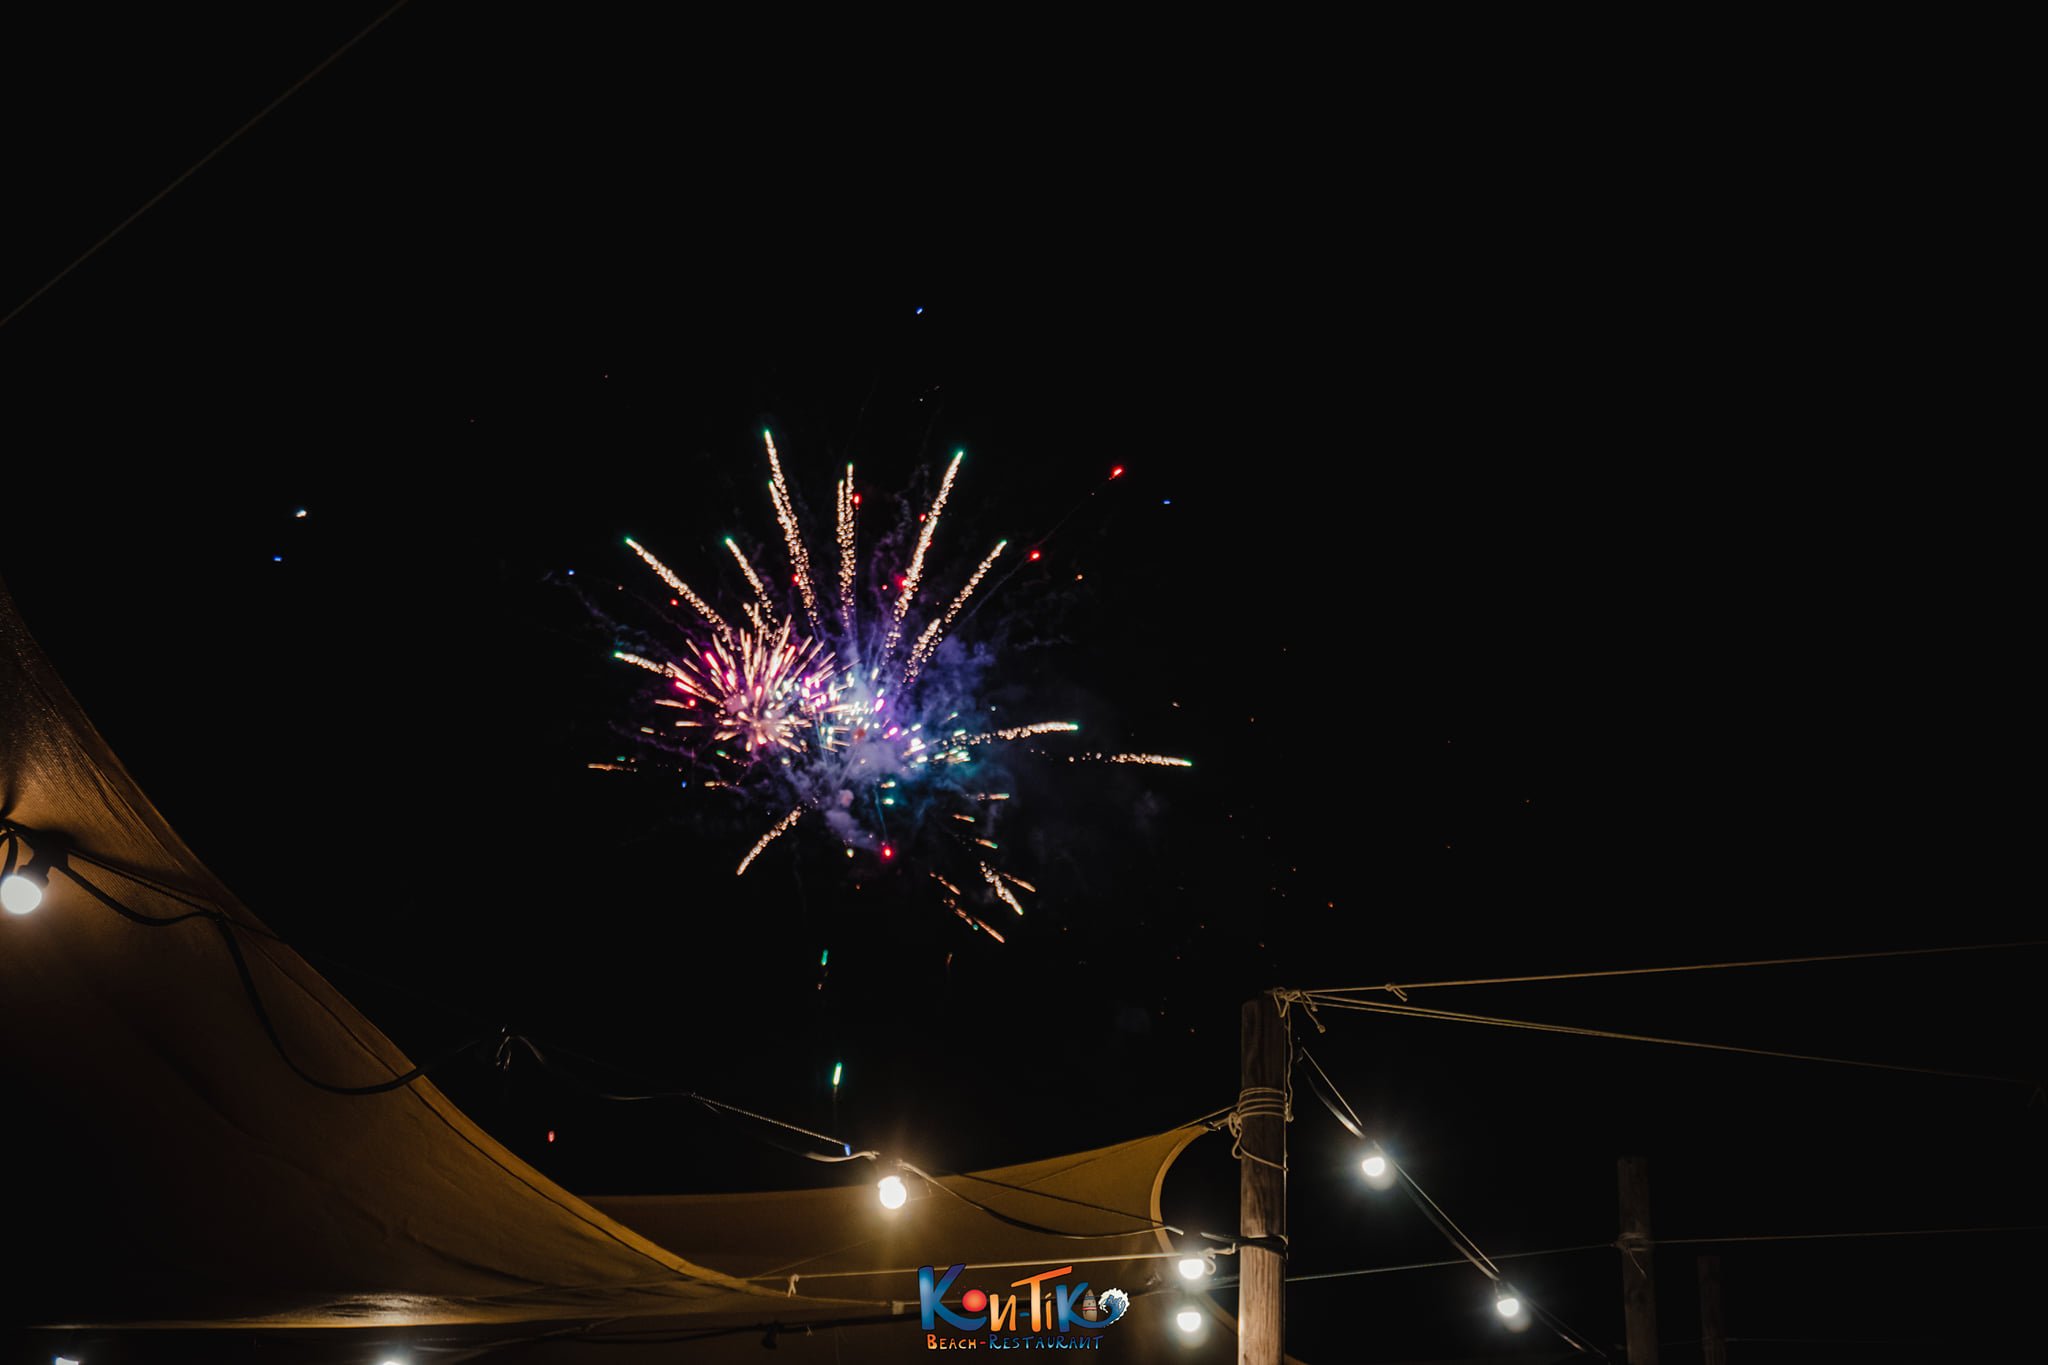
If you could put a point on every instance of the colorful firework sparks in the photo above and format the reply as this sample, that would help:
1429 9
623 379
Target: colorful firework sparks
765 692
829 723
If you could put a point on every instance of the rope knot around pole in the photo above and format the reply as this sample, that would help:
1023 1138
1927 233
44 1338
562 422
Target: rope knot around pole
1284 999
1258 1102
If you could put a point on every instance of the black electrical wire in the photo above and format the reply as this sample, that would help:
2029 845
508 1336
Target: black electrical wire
62 854
399 1082
1029 1226
1064 1199
128 912
1326 1091
846 1150
1452 1233
228 926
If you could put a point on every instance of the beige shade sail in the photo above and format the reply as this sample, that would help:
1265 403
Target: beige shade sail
187 1184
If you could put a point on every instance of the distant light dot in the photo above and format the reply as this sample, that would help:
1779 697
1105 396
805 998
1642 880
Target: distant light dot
277 559
920 310
300 513
1166 502
551 1135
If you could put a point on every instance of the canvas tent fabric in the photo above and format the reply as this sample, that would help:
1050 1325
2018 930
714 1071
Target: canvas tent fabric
194 1186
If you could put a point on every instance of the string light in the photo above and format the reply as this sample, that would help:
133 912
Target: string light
21 892
1188 1320
892 1191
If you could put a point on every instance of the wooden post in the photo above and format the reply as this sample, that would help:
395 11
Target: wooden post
1713 1327
1262 1187
1638 1283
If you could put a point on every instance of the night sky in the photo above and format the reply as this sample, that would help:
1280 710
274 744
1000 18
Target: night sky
1506 633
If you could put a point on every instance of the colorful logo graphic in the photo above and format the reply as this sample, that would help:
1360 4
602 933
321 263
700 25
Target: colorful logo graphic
1061 1316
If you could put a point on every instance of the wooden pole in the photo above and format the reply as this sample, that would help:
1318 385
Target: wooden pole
1262 1184
1713 1327
1638 1283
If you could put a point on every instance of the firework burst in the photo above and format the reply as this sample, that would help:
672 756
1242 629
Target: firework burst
829 724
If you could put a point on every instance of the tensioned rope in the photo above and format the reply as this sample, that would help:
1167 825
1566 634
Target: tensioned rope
194 168
1435 1265
1497 1021
1399 989
1673 1241
1845 1236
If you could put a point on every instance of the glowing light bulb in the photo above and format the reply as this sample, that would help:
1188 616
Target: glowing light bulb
892 1191
1187 1320
1374 1166
1192 1267
20 894
1508 1305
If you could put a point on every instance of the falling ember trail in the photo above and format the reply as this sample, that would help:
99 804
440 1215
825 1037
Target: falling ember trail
1037 727
764 618
915 574
929 641
848 505
792 535
780 825
681 589
1003 893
